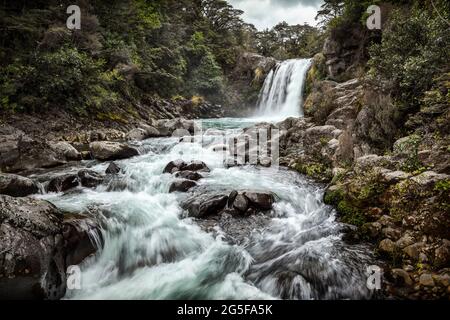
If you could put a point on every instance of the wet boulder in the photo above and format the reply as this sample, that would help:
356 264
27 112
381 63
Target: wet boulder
182 186
37 245
174 166
180 165
113 168
201 206
32 261
189 175
231 198
17 186
241 203
196 166
260 200
82 237
89 178
107 150
63 183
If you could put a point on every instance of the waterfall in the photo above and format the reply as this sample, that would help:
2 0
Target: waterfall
281 95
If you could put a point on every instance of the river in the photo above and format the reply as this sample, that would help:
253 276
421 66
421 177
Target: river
152 250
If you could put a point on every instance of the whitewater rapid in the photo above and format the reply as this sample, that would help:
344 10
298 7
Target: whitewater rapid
153 251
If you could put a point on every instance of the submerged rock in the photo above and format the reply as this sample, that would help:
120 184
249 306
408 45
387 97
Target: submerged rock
17 186
106 150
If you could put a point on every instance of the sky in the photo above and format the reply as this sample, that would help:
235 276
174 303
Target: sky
267 13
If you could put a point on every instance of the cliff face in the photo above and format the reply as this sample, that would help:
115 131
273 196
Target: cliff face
246 81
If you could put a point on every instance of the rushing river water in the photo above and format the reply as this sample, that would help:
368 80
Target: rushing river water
153 251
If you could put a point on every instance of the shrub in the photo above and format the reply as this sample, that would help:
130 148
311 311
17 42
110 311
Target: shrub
414 48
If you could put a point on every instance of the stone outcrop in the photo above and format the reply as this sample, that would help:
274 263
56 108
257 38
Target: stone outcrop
36 248
17 186
107 150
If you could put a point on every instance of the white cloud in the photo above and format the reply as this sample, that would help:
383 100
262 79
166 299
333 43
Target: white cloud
267 13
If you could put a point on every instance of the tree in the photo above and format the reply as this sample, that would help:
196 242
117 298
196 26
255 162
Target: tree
329 10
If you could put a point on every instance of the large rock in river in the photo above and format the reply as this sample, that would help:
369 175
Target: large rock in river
17 186
37 246
182 186
32 262
107 150
204 205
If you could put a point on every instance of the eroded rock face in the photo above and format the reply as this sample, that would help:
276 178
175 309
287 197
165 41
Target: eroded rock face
32 264
37 246
17 186
106 150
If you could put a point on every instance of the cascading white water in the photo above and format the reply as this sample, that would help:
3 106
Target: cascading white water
152 251
281 95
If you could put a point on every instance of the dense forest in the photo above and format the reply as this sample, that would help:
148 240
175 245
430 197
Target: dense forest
127 51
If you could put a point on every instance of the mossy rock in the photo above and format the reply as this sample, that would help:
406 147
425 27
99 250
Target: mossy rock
317 171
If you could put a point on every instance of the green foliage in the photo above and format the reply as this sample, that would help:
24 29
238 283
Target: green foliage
64 75
207 77
413 50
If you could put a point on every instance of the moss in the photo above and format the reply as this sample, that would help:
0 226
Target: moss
351 214
197 100
333 196
443 185
314 170
111 116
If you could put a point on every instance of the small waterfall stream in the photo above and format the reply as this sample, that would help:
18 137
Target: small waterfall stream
281 95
